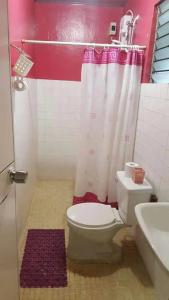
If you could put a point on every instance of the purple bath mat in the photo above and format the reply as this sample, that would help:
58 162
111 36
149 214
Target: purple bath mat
44 260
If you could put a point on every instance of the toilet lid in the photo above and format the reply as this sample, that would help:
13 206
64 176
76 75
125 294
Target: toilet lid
91 214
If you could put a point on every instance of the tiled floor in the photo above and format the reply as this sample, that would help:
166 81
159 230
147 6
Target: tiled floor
127 280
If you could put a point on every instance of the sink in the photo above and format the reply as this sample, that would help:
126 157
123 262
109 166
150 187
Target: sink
152 239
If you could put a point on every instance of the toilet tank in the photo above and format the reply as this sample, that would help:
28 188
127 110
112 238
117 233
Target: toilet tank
129 194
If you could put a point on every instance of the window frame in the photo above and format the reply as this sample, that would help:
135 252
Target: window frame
157 13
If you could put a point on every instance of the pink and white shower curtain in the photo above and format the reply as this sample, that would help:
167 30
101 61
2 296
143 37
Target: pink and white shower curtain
110 96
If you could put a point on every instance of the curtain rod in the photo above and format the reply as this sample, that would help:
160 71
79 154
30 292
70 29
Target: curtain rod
80 44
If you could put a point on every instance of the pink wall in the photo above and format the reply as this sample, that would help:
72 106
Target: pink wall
65 22
145 25
21 25
83 23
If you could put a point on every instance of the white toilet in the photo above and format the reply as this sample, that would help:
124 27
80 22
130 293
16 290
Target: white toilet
92 226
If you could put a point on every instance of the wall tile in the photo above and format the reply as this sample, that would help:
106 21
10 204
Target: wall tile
152 137
58 128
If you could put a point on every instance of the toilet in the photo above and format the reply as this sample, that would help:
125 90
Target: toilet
92 226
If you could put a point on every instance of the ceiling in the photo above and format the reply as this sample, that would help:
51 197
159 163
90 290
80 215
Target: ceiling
116 3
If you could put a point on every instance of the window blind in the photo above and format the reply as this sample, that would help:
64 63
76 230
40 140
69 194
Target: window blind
160 65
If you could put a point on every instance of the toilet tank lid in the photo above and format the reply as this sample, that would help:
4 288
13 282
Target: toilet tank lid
131 186
90 214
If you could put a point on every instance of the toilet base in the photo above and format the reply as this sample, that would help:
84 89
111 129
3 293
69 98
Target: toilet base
83 249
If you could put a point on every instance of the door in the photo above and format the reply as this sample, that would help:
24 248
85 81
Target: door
8 240
6 135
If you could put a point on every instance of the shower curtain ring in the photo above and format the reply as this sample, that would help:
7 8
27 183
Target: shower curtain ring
124 49
90 47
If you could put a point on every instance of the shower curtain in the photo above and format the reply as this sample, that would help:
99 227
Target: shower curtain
110 95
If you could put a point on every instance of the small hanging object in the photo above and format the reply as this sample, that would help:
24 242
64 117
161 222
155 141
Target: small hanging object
23 65
19 84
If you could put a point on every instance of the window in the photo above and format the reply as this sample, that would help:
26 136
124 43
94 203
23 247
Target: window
160 65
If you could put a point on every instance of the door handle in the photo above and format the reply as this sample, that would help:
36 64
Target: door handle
18 176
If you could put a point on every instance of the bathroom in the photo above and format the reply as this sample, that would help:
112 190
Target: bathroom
45 139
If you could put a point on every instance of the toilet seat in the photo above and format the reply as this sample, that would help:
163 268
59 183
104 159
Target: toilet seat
93 215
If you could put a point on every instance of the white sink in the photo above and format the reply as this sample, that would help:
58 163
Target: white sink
152 239
153 219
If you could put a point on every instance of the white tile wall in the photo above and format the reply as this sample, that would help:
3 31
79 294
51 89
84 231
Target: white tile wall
25 144
58 128
152 137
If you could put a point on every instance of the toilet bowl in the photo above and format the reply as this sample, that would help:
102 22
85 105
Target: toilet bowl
92 226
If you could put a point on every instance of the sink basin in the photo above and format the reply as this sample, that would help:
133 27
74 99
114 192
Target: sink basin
152 239
153 219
